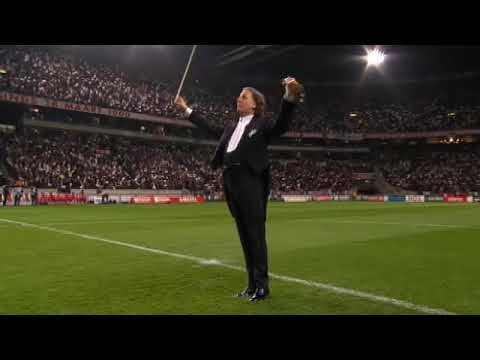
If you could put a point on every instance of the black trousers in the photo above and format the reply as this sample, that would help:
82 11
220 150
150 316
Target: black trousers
245 195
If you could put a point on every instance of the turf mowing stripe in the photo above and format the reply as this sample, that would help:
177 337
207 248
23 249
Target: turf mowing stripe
130 221
326 287
391 223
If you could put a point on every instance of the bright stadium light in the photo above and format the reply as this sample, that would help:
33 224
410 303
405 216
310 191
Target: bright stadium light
375 57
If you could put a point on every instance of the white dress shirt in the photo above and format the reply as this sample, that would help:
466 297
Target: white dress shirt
237 134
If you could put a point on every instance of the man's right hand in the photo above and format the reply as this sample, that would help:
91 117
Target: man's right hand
181 103
293 89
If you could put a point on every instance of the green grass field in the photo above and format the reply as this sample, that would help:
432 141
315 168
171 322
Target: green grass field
326 258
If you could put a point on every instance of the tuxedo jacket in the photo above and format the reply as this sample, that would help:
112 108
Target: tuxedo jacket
255 139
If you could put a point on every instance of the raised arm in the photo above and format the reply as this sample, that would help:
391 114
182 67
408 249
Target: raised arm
196 118
293 90
281 124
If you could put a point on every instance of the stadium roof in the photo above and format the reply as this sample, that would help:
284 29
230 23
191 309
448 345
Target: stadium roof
313 64
320 64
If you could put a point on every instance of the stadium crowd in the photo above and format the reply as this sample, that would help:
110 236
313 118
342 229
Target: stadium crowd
56 159
63 77
439 173
61 159
39 73
304 176
65 160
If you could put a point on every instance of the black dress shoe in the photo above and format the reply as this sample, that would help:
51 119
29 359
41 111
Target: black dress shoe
260 294
246 293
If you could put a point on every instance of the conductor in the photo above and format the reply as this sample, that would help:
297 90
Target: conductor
242 153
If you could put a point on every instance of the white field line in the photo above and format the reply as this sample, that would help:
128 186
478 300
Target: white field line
326 287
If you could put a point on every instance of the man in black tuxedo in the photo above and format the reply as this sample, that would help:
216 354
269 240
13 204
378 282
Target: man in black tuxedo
242 152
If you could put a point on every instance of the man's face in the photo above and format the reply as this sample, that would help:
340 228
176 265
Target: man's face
245 103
